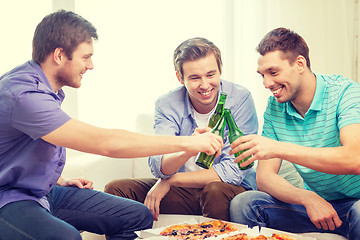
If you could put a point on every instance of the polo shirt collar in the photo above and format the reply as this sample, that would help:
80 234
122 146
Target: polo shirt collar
316 102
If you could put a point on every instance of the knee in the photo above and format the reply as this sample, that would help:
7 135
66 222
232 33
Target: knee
242 200
117 187
213 189
355 211
241 205
147 218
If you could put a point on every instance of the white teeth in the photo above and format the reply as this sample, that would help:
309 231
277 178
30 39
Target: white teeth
277 91
206 93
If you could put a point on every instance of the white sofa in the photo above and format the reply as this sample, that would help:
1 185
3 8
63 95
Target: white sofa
102 170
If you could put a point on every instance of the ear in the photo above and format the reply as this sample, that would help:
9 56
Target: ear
179 78
58 55
301 63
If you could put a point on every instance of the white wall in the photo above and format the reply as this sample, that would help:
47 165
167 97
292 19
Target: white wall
133 57
18 20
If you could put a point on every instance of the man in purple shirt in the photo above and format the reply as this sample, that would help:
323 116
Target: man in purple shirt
35 201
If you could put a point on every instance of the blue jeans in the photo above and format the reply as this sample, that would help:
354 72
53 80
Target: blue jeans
255 208
73 209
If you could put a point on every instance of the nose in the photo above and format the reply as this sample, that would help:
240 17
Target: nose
268 82
90 64
204 83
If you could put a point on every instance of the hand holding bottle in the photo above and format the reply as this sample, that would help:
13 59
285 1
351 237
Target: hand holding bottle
204 159
259 148
207 142
234 134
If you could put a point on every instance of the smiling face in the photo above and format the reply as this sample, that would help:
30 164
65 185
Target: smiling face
280 77
201 78
71 72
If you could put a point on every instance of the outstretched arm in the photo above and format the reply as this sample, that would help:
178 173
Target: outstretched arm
118 143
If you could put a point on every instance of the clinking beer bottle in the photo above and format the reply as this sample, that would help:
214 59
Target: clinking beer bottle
234 133
204 160
218 111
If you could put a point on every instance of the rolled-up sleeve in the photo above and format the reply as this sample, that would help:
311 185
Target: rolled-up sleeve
164 125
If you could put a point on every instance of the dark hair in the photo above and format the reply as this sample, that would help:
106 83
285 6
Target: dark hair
290 43
193 49
61 29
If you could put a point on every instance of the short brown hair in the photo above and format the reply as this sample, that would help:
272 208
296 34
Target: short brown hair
290 43
61 29
193 49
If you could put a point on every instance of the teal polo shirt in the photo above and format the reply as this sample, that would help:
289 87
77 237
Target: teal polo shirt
336 104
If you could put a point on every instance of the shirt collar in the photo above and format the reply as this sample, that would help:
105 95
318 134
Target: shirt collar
44 83
316 103
188 105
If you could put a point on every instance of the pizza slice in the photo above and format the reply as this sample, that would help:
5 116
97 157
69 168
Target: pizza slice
279 236
199 231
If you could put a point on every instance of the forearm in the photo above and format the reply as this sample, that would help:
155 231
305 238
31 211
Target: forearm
117 143
334 160
122 143
172 162
279 188
197 179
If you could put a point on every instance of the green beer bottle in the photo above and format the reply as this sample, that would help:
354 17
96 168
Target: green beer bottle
234 133
218 111
204 160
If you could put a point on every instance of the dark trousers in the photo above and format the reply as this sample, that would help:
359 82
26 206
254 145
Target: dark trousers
74 209
211 201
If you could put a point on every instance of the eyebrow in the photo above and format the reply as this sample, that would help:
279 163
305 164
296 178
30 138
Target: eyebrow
267 70
195 75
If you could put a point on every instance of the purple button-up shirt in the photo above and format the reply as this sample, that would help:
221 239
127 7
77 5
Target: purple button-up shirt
29 109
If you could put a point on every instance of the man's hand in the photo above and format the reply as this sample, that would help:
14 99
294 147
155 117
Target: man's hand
155 195
77 182
261 148
321 213
201 131
209 143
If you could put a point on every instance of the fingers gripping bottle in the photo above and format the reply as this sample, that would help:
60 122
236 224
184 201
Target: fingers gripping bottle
235 133
214 119
204 160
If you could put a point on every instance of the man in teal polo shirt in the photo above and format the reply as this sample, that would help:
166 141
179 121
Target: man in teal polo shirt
312 121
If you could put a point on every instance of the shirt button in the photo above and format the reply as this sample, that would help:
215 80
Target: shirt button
60 164
50 185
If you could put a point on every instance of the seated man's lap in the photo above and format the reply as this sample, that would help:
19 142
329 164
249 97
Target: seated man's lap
211 201
255 208
99 212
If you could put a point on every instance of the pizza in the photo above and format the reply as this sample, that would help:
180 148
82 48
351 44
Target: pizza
275 236
244 236
199 231
282 237
214 229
